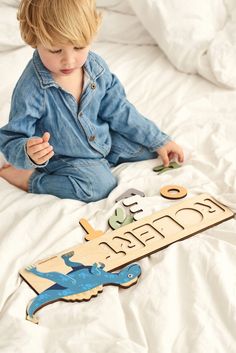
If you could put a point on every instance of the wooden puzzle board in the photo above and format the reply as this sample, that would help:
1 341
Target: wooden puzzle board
138 239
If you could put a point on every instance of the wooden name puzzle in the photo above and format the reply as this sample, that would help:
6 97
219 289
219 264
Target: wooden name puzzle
138 239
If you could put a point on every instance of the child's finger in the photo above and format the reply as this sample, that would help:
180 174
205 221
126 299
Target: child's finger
46 137
40 154
45 158
164 157
34 141
171 156
37 148
181 156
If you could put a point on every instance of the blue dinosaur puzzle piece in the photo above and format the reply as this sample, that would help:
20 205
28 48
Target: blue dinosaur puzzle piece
81 283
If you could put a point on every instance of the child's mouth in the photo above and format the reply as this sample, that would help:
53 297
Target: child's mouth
67 71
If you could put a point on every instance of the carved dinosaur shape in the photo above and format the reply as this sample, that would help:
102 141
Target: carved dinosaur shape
81 283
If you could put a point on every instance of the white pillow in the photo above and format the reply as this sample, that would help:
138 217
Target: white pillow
222 53
13 3
9 29
182 28
196 36
122 6
107 3
124 29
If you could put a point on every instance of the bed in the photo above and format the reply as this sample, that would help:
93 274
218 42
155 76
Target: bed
185 299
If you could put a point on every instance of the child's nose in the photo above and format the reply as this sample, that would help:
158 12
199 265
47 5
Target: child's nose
68 60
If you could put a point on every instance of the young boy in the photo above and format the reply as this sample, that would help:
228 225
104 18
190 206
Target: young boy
70 120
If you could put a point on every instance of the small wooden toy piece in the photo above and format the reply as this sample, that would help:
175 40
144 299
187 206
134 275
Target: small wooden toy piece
129 193
162 169
119 219
173 192
91 232
135 204
81 283
138 239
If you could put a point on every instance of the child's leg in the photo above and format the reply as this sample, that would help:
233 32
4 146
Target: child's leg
16 177
84 180
124 150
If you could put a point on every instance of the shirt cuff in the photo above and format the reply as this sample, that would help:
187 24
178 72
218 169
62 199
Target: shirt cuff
165 139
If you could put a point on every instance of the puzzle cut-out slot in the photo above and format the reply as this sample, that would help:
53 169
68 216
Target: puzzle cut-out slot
141 238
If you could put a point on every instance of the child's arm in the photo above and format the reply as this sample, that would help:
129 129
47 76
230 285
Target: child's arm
124 118
26 108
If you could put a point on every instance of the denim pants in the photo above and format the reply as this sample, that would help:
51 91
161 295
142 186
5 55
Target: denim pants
86 180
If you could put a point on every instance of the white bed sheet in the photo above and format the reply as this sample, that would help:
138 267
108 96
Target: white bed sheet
185 298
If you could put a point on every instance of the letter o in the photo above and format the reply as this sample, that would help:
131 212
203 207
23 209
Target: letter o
173 192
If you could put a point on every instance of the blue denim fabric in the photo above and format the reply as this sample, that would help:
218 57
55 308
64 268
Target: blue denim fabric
103 129
82 179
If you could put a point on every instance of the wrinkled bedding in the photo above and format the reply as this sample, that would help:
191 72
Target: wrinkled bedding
184 300
196 36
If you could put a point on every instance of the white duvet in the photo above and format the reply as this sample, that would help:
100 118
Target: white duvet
184 300
196 36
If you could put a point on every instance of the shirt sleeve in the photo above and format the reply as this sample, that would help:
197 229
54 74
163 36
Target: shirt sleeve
26 109
124 118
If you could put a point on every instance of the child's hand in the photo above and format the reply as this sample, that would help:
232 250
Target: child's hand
39 150
169 152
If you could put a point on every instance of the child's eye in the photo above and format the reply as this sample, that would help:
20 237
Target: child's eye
78 48
55 51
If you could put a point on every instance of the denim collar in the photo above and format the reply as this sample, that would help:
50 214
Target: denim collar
93 68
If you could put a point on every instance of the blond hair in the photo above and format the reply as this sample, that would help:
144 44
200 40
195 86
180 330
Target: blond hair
53 22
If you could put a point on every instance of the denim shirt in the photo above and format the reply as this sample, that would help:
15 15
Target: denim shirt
78 130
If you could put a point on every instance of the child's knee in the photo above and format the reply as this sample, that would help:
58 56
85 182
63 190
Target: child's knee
103 186
96 183
88 181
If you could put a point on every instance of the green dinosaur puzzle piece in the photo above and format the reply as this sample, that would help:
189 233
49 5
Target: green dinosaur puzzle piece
161 169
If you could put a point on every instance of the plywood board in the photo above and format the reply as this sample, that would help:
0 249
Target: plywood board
141 238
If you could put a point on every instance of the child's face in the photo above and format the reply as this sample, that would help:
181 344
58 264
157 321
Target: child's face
63 60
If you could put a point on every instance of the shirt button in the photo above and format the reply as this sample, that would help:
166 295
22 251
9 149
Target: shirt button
93 85
80 114
92 138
